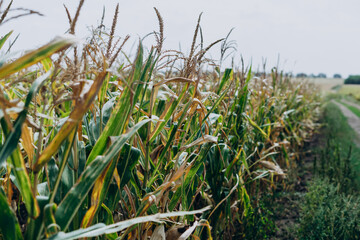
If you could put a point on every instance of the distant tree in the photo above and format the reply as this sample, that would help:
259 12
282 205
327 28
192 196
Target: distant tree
288 75
352 79
336 75
312 76
301 75
321 75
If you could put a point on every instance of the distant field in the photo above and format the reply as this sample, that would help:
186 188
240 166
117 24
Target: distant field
331 85
325 84
353 89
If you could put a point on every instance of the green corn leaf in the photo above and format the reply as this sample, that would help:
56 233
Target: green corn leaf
49 220
198 162
64 161
226 76
3 39
47 64
121 113
35 227
53 171
73 200
252 123
35 56
99 192
12 140
145 77
168 114
11 144
71 123
9 225
129 157
109 220
103 90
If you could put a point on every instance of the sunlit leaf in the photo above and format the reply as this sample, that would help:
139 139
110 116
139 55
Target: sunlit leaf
100 229
36 55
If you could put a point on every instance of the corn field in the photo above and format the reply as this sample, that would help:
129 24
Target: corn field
155 145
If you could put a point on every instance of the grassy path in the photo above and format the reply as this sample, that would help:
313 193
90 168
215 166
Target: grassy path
350 112
344 128
347 102
330 208
355 108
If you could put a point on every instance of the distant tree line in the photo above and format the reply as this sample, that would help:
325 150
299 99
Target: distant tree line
320 75
352 79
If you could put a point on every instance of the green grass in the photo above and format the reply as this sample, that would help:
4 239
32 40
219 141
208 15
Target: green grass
350 89
336 124
330 209
353 109
336 87
338 129
329 214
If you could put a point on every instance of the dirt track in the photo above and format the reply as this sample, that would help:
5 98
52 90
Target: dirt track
350 103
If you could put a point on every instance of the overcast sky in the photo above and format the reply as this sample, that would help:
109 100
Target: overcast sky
311 36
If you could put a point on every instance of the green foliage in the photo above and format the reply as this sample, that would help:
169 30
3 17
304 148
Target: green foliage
336 88
9 225
330 209
339 159
327 213
258 224
120 144
352 79
338 169
352 108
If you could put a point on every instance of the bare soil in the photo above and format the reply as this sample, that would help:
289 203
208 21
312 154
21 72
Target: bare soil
287 206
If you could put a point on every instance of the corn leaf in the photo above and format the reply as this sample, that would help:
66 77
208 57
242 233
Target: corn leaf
35 226
4 38
72 122
109 220
47 64
121 113
125 163
9 225
65 156
98 194
200 141
226 76
161 124
73 200
36 56
12 140
11 144
101 229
